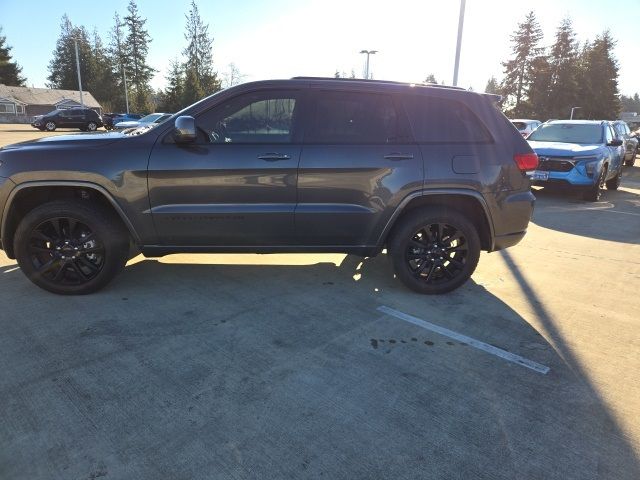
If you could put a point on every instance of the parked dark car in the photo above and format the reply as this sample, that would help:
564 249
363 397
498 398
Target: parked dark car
110 118
85 119
434 174
630 142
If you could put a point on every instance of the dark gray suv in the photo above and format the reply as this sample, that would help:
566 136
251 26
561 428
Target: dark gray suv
433 174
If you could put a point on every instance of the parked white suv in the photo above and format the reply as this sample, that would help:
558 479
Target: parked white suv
525 127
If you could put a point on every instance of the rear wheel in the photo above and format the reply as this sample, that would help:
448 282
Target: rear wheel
92 126
70 247
434 250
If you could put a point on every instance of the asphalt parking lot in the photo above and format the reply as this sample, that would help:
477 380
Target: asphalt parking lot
309 366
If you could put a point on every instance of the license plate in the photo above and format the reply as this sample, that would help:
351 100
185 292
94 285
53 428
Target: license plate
539 175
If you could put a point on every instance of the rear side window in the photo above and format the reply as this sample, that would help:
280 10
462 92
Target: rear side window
354 118
439 120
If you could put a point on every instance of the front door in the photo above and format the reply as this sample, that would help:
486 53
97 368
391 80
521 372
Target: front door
236 185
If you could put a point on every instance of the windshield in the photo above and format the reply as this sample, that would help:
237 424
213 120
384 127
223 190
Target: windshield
151 118
568 133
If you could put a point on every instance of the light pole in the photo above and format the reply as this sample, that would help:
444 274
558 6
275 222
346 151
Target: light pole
75 42
572 109
366 68
459 44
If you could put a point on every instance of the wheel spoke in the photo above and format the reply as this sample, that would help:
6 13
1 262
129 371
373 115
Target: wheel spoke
447 272
454 237
45 267
431 272
60 272
72 227
35 248
422 267
78 270
455 262
439 232
91 266
41 236
55 223
96 249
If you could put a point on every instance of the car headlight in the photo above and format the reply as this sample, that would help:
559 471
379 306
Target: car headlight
589 163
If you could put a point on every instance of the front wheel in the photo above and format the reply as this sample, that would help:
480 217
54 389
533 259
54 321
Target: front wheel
50 126
434 250
71 247
92 126
614 183
631 162
594 193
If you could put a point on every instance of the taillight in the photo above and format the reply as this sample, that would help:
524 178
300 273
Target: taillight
526 161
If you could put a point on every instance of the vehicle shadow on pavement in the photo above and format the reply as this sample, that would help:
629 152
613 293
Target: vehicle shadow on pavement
180 370
616 217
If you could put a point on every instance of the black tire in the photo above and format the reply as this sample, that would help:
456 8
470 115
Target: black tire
92 126
434 250
594 193
71 247
50 126
614 183
632 161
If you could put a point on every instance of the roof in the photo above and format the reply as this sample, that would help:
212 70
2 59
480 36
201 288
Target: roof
579 122
523 120
367 80
46 96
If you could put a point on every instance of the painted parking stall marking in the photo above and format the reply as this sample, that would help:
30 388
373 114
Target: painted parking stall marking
485 347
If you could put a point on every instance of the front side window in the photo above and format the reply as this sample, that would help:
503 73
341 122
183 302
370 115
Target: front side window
260 117
354 118
440 120
609 134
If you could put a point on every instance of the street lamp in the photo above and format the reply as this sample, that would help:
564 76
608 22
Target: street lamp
366 68
459 43
572 109
75 42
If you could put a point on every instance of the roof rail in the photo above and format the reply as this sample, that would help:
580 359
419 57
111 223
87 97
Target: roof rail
392 82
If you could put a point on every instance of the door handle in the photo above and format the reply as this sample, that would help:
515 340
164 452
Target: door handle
273 156
399 156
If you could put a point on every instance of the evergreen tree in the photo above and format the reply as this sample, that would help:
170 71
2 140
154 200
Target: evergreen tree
103 83
10 72
193 90
134 54
493 87
538 102
598 95
173 95
630 104
563 64
198 52
119 64
431 78
518 73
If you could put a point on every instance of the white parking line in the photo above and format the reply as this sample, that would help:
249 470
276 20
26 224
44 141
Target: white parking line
11 270
485 347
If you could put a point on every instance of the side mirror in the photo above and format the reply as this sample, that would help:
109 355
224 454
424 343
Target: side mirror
616 142
184 130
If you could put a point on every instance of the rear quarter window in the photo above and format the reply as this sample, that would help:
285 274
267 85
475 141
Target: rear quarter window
440 120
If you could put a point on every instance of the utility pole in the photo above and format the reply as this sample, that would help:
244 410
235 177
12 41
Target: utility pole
459 44
75 42
126 95
572 109
366 68
124 75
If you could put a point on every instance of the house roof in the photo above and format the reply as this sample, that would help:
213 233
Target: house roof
46 96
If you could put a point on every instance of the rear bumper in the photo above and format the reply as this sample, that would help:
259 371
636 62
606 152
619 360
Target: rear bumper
508 240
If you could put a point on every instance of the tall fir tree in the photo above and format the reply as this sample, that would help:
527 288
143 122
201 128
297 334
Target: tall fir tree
493 87
134 54
563 64
103 86
198 53
172 97
519 71
10 71
193 90
598 93
119 64
431 78
537 103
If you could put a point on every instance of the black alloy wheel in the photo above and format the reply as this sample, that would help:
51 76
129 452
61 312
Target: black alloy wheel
65 251
434 249
71 247
437 253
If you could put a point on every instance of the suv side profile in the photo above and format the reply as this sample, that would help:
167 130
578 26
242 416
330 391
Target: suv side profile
85 119
630 142
434 174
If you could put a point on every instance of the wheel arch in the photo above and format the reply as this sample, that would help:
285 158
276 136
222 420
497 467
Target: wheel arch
26 196
469 203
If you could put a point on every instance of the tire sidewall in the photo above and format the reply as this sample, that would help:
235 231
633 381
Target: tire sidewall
410 224
101 222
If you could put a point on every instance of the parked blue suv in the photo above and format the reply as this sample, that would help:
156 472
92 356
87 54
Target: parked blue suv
583 154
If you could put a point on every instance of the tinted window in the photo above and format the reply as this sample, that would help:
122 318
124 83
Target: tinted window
261 117
439 120
354 118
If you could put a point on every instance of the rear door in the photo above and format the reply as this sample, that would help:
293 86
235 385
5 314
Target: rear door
357 163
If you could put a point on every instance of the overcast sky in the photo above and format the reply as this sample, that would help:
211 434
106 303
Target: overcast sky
284 38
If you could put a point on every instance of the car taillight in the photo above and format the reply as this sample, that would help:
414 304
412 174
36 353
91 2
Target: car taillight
526 161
